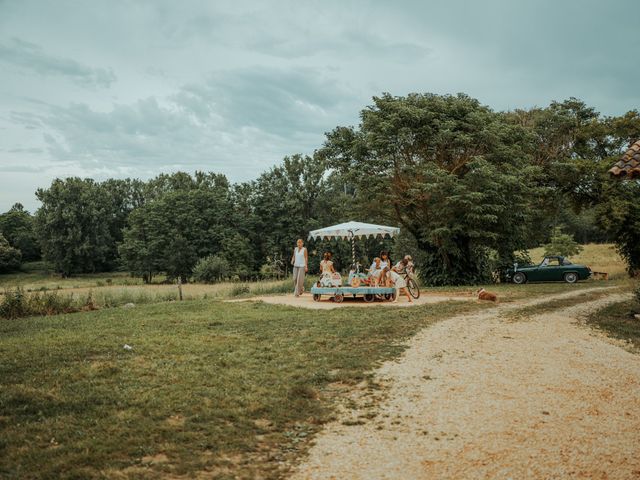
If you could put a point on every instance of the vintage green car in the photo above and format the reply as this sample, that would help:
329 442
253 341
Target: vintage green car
552 269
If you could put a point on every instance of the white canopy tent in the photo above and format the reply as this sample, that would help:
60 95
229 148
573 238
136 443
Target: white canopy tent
353 230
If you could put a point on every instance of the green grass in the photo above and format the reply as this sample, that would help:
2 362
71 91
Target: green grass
231 389
36 276
508 292
554 305
617 321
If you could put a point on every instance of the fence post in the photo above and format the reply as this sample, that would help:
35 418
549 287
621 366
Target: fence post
180 287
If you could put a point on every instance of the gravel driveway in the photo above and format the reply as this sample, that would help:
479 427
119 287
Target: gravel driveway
481 396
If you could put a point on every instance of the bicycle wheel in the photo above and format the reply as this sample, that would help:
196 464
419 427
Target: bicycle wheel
412 286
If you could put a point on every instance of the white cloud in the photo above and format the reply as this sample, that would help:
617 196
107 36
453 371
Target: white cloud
136 88
33 58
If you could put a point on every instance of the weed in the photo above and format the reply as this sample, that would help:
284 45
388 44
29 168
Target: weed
618 320
240 289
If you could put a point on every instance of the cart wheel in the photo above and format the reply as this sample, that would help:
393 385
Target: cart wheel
369 297
390 296
316 297
338 298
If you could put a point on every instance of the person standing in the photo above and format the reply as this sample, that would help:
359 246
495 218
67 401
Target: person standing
299 260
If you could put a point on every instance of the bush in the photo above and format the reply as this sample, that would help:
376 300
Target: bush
240 289
271 270
636 293
211 269
16 304
9 257
562 244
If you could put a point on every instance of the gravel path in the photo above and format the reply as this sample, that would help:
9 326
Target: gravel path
306 301
480 396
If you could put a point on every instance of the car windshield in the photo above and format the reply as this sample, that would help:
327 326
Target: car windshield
550 262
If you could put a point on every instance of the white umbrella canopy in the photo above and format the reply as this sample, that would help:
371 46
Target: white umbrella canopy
351 230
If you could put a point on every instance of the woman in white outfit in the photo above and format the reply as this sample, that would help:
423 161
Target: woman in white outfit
299 260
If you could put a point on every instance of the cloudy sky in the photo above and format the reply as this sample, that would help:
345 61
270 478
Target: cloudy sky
130 89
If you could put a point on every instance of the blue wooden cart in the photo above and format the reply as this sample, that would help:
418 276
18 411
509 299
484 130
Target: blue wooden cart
369 294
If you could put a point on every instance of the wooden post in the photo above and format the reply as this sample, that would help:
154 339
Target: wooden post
180 287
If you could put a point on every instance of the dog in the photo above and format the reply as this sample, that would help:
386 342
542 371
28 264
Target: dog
484 295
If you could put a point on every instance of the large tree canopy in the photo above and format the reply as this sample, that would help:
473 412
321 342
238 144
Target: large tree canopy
451 171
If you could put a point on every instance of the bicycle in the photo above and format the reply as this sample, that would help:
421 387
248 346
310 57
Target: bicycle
412 285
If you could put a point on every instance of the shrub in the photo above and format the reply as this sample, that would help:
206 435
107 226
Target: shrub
269 270
211 269
636 293
562 244
9 257
16 304
240 289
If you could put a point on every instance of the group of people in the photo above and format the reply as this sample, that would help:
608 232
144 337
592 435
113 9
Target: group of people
382 272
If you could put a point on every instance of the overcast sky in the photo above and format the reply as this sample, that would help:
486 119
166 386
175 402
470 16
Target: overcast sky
121 88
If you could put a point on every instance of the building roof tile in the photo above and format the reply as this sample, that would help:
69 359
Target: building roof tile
629 164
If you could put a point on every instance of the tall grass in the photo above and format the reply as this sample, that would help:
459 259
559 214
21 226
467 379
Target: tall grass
17 303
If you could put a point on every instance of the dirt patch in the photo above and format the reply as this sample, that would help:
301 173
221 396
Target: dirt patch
306 301
480 397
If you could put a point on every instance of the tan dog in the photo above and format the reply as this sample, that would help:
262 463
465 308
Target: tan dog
484 295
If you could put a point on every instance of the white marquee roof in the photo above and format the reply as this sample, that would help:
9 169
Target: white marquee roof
355 229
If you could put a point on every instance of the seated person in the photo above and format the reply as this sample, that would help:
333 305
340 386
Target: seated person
385 261
375 272
326 265
328 275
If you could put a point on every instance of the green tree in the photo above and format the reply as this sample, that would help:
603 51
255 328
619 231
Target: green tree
18 227
452 172
170 233
290 200
9 257
562 244
619 215
74 226
211 269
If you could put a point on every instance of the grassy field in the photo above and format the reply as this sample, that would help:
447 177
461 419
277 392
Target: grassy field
618 321
231 389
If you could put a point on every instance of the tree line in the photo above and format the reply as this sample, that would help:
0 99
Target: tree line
471 188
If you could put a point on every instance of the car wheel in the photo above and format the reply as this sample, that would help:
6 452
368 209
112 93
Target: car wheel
519 278
571 277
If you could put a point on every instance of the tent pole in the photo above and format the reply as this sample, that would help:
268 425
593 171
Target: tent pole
353 248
